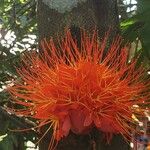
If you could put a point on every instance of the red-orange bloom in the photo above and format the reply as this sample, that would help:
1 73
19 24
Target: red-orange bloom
78 88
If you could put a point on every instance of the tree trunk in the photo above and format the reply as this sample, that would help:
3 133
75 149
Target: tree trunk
88 14
53 17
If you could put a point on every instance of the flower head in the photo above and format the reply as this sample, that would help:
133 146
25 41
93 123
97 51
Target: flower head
77 88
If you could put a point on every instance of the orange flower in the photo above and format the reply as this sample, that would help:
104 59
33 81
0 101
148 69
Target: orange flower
78 88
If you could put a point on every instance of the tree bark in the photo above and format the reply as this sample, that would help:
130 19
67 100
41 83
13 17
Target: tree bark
102 14
88 14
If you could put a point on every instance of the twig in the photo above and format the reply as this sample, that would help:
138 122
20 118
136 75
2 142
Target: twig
21 122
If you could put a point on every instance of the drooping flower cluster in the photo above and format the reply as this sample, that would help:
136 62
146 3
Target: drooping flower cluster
75 88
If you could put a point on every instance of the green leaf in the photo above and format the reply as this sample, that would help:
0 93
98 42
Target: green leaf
127 23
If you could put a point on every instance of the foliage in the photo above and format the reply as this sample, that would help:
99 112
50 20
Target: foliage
136 28
17 19
19 16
